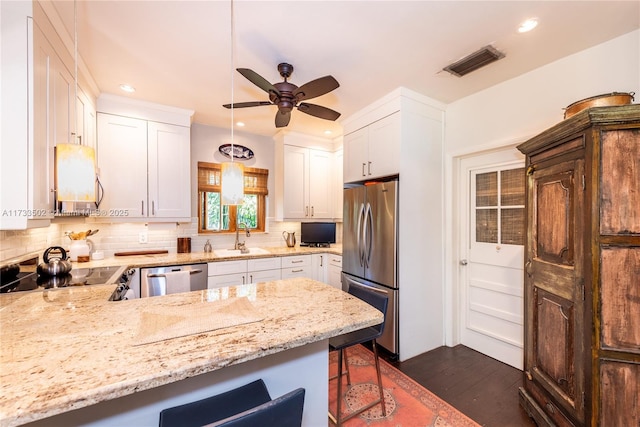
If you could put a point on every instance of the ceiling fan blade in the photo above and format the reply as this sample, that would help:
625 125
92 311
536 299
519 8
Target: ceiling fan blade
247 104
316 88
258 80
318 111
282 119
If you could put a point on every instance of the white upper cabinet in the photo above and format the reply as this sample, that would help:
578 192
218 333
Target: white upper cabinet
169 161
304 177
373 151
338 162
122 164
40 90
144 168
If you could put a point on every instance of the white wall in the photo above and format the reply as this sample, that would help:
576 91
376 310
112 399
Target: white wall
513 111
205 141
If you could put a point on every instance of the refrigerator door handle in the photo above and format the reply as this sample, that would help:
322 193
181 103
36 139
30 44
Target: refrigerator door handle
359 236
368 235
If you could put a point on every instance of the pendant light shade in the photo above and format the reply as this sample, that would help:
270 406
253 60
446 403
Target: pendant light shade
232 183
75 171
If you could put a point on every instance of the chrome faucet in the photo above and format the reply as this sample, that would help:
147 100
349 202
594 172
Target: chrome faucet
237 244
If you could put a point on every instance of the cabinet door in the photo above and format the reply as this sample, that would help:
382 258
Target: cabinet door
264 276
40 171
86 120
320 178
554 287
169 171
319 267
384 147
356 156
226 280
63 93
338 162
122 162
334 271
296 182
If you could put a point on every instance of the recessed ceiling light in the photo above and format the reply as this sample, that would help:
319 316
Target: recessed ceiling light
528 25
127 88
240 124
327 132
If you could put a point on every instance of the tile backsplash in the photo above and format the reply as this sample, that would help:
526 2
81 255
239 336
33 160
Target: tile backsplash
125 237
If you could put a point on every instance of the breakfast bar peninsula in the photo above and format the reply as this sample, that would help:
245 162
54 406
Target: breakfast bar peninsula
71 357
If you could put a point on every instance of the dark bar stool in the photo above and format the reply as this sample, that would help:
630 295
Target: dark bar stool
246 406
342 342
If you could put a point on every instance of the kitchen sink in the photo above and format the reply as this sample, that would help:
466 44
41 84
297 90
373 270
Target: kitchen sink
237 252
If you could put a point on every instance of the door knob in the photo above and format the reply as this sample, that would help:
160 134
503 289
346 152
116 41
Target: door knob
463 262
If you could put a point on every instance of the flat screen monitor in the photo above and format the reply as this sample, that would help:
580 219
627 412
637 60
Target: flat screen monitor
317 233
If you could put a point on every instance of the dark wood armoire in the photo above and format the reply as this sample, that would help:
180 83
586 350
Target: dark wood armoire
582 271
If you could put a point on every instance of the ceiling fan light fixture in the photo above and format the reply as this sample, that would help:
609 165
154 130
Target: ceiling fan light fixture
477 59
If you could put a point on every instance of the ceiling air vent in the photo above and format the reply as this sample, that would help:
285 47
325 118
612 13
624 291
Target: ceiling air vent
480 58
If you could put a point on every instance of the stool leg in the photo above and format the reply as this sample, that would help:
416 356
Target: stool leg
375 356
339 403
346 367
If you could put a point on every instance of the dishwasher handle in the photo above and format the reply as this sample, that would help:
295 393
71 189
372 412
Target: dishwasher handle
163 275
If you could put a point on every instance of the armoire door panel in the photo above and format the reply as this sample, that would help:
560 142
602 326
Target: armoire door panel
555 206
620 182
620 388
620 298
554 344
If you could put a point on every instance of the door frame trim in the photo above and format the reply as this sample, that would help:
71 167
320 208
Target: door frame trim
452 251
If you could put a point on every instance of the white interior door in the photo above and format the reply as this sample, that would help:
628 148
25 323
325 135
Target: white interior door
491 255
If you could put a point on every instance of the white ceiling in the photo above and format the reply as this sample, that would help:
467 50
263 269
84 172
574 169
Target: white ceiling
179 52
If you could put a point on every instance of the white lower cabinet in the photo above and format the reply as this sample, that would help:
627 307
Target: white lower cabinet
263 269
296 266
334 271
319 267
242 272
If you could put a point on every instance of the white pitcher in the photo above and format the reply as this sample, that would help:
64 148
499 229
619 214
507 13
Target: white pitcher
81 247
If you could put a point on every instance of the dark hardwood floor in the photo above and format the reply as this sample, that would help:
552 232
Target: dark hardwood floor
482 388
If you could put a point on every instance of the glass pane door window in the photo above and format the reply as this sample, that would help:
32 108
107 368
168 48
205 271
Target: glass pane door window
498 211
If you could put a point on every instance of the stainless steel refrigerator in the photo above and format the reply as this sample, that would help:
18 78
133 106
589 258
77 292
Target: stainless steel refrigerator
370 247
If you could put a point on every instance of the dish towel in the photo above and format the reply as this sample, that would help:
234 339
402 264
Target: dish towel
177 282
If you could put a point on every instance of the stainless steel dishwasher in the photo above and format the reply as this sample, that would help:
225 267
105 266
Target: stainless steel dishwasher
153 280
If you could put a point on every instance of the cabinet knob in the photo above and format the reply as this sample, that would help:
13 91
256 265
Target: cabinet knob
463 262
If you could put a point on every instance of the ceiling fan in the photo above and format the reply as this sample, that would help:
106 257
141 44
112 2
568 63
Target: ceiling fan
288 96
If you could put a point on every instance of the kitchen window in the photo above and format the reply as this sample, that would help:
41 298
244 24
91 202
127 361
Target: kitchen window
214 217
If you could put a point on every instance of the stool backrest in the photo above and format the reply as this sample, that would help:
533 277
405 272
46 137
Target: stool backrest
375 298
284 411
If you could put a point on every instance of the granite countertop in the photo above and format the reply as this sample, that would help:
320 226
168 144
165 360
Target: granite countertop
69 348
198 257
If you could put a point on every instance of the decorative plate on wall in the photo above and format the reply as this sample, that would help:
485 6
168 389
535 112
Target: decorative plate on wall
239 152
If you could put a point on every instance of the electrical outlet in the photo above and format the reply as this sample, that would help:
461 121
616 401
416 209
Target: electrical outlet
143 237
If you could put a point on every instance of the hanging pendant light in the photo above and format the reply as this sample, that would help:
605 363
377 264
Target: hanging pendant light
232 172
75 164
